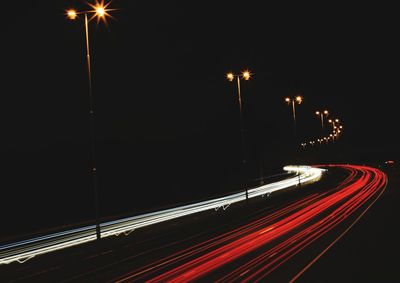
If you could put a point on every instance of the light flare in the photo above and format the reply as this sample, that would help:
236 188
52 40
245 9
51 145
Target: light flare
101 11
246 75
72 14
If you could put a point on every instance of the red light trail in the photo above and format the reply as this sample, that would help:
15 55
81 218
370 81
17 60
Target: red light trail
274 239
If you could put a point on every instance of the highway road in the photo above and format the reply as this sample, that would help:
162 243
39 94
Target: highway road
274 241
252 252
24 250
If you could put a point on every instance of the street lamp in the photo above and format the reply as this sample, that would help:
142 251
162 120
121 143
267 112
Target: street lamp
245 75
99 11
338 131
334 123
321 114
298 99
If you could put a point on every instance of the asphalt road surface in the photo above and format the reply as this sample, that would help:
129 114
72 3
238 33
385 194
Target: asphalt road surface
324 232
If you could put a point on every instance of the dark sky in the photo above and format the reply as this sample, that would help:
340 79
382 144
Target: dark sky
159 67
162 101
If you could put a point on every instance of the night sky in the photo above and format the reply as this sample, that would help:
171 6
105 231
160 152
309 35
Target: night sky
166 116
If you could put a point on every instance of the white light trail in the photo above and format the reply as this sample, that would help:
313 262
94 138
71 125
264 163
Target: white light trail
27 249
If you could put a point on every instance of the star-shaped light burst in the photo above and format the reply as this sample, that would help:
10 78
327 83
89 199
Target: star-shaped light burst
100 11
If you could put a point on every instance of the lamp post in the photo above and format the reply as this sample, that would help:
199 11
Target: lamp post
298 99
100 12
245 75
321 114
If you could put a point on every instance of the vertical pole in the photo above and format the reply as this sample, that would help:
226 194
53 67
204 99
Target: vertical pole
92 131
299 179
322 121
242 136
294 121
294 113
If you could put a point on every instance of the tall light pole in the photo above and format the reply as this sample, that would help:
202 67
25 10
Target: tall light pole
321 114
245 75
297 99
100 12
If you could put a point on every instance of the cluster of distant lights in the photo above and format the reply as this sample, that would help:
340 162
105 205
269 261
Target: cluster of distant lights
337 131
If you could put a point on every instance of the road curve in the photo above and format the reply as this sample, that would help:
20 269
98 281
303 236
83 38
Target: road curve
251 253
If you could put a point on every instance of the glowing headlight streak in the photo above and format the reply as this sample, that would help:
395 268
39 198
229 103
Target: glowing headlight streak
312 219
308 174
24 250
27 249
218 240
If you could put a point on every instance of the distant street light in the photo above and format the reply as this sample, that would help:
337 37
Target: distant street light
100 12
321 114
298 99
245 75
334 123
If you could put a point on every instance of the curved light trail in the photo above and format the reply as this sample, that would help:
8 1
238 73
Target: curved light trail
27 249
267 243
